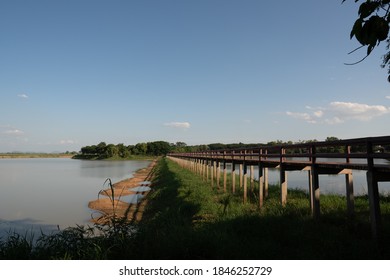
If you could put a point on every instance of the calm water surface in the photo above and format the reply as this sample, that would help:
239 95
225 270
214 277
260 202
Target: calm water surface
46 193
329 184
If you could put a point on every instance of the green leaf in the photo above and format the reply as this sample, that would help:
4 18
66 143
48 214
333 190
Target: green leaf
381 28
369 49
356 29
367 8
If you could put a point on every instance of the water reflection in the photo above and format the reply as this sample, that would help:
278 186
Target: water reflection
329 184
140 189
44 193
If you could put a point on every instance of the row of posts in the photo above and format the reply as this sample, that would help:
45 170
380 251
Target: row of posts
216 173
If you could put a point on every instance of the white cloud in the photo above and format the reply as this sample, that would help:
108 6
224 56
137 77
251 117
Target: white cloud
178 124
23 96
67 142
338 112
301 116
364 112
15 132
388 96
334 120
318 113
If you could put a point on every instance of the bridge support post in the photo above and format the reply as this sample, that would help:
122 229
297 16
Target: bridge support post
283 186
240 174
373 197
265 182
212 168
349 186
310 177
224 175
233 177
261 186
350 195
204 165
207 170
283 178
245 178
218 173
315 192
252 178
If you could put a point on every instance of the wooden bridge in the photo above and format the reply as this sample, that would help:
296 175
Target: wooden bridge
330 157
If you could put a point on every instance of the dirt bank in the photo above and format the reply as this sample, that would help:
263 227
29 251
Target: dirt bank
124 199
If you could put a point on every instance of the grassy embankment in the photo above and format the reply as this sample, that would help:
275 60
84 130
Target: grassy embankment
187 219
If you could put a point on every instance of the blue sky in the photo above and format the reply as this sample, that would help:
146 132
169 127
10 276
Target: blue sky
75 73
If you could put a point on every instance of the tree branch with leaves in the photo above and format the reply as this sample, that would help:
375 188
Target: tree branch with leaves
372 27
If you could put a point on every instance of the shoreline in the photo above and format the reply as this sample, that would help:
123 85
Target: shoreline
32 155
126 199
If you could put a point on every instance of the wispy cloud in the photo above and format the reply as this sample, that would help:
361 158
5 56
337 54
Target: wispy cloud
178 124
8 130
301 116
67 142
23 96
338 112
12 132
388 96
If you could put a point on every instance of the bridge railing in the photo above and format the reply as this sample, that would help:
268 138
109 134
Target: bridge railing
359 150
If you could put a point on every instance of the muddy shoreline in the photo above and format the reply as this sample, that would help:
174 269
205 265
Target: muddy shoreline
124 200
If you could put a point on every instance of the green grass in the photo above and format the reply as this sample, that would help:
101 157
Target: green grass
193 220
186 218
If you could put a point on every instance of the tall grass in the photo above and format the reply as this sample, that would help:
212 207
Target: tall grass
186 218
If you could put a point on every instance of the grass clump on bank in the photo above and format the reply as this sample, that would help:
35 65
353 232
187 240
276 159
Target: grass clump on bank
186 218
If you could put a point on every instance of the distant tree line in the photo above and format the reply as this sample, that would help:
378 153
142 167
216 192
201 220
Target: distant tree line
104 151
158 148
183 148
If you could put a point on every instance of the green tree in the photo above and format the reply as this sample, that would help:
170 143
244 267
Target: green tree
158 148
123 152
110 151
141 149
89 150
372 27
101 148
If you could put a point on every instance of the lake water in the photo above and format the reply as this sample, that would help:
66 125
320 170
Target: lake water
329 184
47 193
